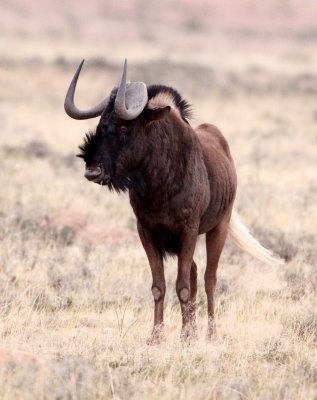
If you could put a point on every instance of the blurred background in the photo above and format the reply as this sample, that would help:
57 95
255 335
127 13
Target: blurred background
74 280
247 67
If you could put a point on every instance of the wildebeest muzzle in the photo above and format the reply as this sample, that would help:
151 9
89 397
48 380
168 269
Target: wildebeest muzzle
96 173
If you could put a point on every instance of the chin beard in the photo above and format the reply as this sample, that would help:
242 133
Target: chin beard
132 181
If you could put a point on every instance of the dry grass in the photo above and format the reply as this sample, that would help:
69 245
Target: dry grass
75 304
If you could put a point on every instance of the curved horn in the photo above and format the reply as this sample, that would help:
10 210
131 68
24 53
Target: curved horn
131 97
70 106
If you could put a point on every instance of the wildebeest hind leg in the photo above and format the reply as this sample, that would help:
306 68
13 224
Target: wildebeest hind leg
215 240
192 297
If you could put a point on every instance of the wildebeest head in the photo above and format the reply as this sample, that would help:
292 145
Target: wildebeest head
114 151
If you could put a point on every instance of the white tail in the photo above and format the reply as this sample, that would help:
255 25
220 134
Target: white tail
241 237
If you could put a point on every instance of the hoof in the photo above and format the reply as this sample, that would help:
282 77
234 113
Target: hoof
156 337
211 331
188 334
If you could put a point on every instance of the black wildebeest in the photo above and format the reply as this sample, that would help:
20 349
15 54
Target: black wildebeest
181 182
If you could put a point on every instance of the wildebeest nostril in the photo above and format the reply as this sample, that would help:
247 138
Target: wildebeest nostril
92 173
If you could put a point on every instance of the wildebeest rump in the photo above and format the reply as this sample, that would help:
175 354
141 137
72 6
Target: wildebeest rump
181 183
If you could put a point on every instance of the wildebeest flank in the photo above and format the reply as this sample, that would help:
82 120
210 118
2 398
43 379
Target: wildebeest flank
181 182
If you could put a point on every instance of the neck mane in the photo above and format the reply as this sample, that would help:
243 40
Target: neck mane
171 147
162 96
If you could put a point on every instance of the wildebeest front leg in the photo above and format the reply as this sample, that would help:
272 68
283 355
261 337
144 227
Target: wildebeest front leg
186 283
158 284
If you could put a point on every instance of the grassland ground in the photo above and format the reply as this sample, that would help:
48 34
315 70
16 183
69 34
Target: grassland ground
75 299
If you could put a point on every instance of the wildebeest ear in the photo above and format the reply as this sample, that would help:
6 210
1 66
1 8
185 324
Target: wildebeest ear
156 113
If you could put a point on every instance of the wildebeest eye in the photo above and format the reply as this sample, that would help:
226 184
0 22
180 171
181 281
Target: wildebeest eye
123 129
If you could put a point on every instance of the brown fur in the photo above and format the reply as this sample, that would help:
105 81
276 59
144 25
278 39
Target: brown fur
186 197
181 183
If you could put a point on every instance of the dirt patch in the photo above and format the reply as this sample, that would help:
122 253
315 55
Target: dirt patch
16 356
79 227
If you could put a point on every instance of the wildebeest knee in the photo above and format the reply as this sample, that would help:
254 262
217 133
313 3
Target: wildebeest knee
158 293
183 294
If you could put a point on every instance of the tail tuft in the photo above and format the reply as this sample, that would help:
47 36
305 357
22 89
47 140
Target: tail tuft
242 238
